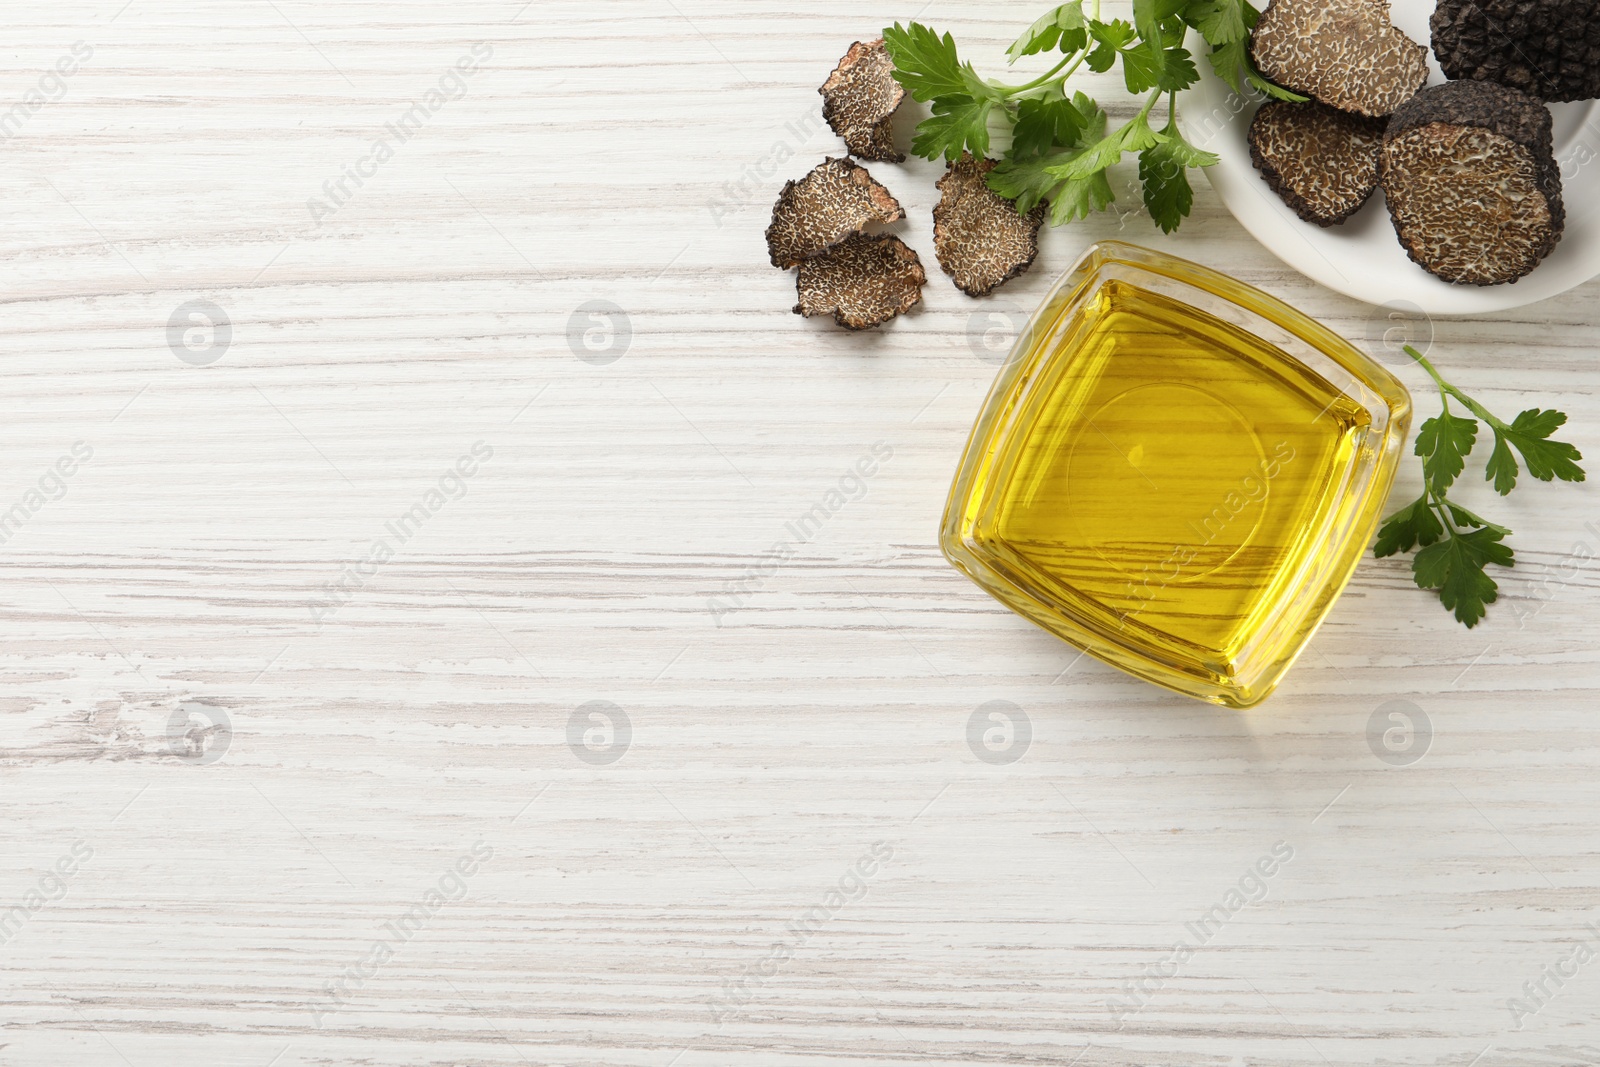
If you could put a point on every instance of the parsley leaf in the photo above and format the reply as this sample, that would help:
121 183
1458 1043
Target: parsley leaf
1529 434
1141 69
1062 26
1455 567
958 124
1077 197
925 63
1150 18
1183 151
1178 72
1231 62
1111 37
1148 21
1044 122
1443 443
1228 61
1027 182
1030 181
1502 467
1414 524
1167 195
1163 171
1133 136
1220 21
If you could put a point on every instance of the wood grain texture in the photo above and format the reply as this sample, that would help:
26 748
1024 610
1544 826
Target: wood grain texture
672 906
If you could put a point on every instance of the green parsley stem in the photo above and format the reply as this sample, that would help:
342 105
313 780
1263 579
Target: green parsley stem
1448 390
1437 504
1050 75
1149 105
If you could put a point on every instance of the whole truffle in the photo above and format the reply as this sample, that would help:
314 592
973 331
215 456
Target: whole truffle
1346 53
1472 183
864 281
1321 161
1549 48
978 235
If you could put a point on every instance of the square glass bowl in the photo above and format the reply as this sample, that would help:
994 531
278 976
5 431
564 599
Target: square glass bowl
1176 473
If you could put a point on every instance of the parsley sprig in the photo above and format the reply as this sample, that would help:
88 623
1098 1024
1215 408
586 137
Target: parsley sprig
1060 150
1454 545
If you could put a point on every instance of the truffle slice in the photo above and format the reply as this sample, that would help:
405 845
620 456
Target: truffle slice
1549 48
1472 182
859 100
980 238
865 281
1345 53
1322 161
838 198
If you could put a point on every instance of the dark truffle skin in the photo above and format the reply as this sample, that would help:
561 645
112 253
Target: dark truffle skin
1549 48
1472 183
1345 53
1321 161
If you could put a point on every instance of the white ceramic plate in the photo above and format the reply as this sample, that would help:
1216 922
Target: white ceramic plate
1362 258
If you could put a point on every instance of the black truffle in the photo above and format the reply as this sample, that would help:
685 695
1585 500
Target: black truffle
1345 53
1472 183
979 236
838 198
865 280
1549 48
859 100
1322 161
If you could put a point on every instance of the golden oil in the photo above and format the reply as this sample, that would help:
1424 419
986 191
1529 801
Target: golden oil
1176 473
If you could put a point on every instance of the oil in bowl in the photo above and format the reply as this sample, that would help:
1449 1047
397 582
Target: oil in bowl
1176 473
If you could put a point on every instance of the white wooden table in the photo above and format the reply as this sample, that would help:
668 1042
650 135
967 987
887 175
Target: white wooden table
274 795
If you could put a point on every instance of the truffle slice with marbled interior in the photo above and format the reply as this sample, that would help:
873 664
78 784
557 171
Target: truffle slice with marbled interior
837 199
979 236
864 281
1346 53
1472 182
859 100
1321 161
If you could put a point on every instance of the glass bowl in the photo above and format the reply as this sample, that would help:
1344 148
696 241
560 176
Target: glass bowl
1176 473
